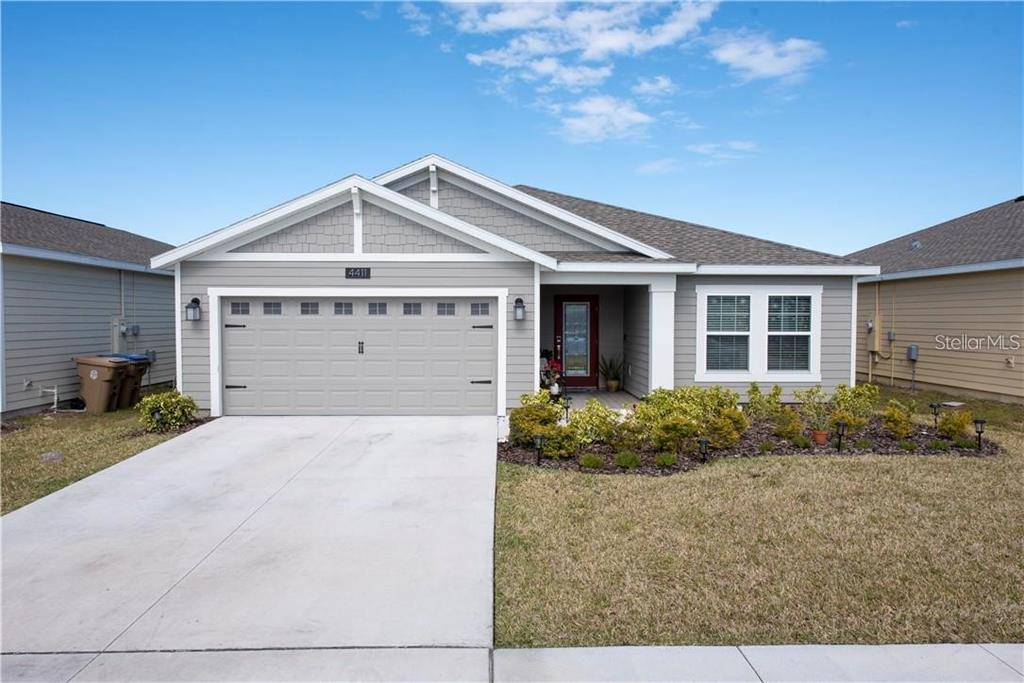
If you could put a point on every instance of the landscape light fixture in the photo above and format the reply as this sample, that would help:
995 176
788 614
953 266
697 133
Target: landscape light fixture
568 403
192 311
538 445
519 309
703 449
841 431
936 407
979 428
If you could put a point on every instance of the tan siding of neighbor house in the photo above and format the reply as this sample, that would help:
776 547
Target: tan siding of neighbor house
517 277
55 310
836 305
919 309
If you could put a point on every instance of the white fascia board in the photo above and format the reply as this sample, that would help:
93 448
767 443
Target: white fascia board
786 270
68 257
624 267
384 196
658 282
946 270
522 198
361 259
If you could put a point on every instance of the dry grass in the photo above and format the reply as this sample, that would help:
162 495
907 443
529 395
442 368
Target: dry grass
89 443
1009 416
797 549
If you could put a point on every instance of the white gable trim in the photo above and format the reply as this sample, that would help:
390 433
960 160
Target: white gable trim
309 204
522 198
80 259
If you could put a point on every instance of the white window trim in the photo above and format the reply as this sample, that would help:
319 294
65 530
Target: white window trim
758 369
215 294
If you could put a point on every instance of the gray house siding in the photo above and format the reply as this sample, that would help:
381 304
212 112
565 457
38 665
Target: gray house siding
330 231
637 343
836 305
197 276
54 311
386 232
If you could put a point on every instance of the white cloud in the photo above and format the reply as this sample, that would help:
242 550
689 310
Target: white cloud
754 55
657 167
602 117
570 77
419 21
907 23
725 151
373 11
654 88
446 47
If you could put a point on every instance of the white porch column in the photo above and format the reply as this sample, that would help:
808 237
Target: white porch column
662 331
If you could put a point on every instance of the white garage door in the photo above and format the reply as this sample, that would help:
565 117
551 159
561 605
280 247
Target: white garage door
357 356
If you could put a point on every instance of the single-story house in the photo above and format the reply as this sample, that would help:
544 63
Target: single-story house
71 287
433 288
953 294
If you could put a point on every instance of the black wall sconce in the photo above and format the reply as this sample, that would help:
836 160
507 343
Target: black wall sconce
192 311
519 309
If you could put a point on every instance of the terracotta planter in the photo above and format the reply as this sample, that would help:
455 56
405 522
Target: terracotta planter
612 385
820 436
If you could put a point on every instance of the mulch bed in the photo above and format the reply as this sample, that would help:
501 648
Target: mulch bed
198 422
872 439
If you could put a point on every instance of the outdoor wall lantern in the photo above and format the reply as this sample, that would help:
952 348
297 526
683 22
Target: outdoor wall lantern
192 311
519 309
538 445
703 449
841 432
936 407
979 428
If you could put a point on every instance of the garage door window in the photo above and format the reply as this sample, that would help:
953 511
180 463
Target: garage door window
377 308
446 308
480 309
412 308
342 308
239 308
309 308
271 308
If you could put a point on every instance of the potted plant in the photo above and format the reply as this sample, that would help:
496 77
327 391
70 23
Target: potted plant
815 410
611 370
550 375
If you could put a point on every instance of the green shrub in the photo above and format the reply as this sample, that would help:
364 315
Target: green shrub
964 443
766 447
627 460
898 419
721 433
541 397
761 406
674 432
738 419
532 419
853 405
696 403
166 411
863 444
787 424
559 442
814 408
954 423
907 445
592 461
939 445
666 460
800 441
628 435
593 423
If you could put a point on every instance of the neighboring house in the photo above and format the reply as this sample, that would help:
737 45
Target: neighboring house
70 287
955 291
434 289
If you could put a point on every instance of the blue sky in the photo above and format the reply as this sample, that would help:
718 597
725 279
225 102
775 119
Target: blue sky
832 126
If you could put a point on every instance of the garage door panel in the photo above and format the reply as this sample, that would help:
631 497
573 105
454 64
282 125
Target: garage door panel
310 364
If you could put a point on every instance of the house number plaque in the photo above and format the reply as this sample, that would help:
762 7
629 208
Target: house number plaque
357 273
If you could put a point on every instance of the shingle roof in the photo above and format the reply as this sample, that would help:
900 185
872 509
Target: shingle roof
687 242
995 233
30 227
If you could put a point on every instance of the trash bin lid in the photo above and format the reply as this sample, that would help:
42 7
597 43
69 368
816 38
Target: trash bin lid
99 360
127 356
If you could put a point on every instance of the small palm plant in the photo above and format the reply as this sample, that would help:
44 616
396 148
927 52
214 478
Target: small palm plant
611 370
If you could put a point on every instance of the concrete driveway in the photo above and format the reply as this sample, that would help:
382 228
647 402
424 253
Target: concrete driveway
264 534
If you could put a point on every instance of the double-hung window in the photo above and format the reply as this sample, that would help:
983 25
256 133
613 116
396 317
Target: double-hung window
760 333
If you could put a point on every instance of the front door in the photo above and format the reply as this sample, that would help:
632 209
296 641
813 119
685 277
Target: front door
576 339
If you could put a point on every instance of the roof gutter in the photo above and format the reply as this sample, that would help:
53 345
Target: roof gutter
740 269
946 270
80 259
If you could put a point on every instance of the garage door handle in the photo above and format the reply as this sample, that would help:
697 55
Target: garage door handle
235 386
233 325
479 381
483 327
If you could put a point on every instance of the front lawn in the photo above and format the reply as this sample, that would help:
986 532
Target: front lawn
771 549
86 444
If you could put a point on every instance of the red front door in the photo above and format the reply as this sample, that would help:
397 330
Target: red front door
576 339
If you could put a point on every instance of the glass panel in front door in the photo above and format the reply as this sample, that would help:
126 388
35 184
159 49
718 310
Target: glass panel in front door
576 339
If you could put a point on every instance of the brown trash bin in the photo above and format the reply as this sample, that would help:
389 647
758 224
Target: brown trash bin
100 380
131 382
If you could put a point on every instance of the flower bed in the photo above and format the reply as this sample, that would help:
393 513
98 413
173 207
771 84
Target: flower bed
669 431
